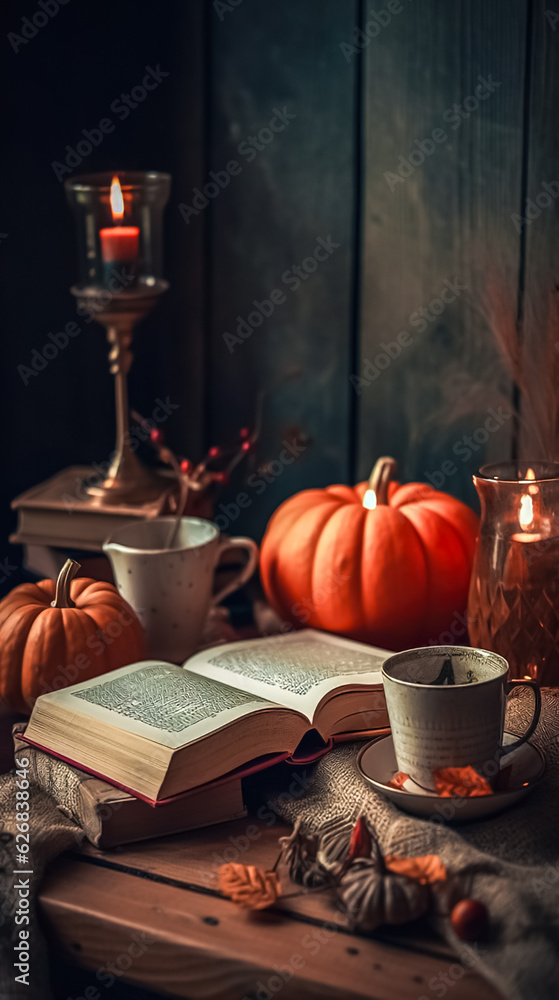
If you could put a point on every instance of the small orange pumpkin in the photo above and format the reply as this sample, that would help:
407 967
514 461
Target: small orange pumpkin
379 562
54 634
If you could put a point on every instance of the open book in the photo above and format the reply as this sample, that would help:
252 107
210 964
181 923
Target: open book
158 729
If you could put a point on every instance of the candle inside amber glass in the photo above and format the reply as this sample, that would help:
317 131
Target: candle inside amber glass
513 606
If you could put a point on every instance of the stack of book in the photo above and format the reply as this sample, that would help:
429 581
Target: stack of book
155 748
60 513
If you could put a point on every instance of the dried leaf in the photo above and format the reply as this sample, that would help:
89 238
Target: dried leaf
249 886
425 869
360 842
462 781
398 780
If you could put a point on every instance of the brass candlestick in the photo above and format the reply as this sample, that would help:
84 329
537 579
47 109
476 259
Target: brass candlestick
127 479
119 228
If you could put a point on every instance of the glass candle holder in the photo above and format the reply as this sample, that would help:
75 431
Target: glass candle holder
513 606
119 229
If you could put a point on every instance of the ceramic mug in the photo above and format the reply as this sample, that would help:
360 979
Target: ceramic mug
171 589
446 706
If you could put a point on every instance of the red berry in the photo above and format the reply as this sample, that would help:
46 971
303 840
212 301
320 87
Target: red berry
221 477
214 452
244 433
246 446
470 919
156 436
186 465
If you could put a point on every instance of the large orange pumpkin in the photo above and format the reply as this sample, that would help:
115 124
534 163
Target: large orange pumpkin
379 562
55 634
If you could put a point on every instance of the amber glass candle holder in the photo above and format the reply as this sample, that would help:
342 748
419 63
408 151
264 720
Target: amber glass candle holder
120 277
513 606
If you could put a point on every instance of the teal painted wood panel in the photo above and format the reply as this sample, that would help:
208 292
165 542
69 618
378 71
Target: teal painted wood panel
282 240
537 220
443 124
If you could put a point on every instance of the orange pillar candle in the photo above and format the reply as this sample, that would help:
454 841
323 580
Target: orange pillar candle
119 244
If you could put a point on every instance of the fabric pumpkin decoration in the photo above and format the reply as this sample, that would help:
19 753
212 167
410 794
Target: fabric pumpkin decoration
54 634
379 562
373 896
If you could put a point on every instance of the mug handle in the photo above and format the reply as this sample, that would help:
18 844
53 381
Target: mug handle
535 718
245 573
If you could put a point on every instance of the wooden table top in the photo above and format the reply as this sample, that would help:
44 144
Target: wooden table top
154 911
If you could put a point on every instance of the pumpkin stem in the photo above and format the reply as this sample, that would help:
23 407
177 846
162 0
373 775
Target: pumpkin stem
62 597
381 477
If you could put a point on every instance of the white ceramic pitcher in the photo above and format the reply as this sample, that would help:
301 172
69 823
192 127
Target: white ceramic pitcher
171 589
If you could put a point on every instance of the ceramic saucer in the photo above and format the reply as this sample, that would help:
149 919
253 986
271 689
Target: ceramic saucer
377 764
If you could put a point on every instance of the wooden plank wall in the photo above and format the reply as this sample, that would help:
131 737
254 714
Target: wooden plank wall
367 91
292 192
443 138
537 220
431 118
59 82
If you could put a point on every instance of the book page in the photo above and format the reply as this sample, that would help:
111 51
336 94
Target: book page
294 670
158 701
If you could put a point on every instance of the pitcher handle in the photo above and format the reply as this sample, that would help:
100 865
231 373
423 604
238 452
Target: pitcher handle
244 574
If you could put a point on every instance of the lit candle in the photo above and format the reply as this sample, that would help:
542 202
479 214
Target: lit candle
527 514
514 597
517 564
119 244
533 560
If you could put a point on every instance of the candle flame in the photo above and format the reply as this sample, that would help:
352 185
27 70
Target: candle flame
526 512
370 499
117 201
530 477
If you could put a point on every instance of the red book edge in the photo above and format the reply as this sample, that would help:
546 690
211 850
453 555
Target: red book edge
259 764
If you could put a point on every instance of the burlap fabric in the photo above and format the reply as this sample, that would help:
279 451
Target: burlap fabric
517 853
